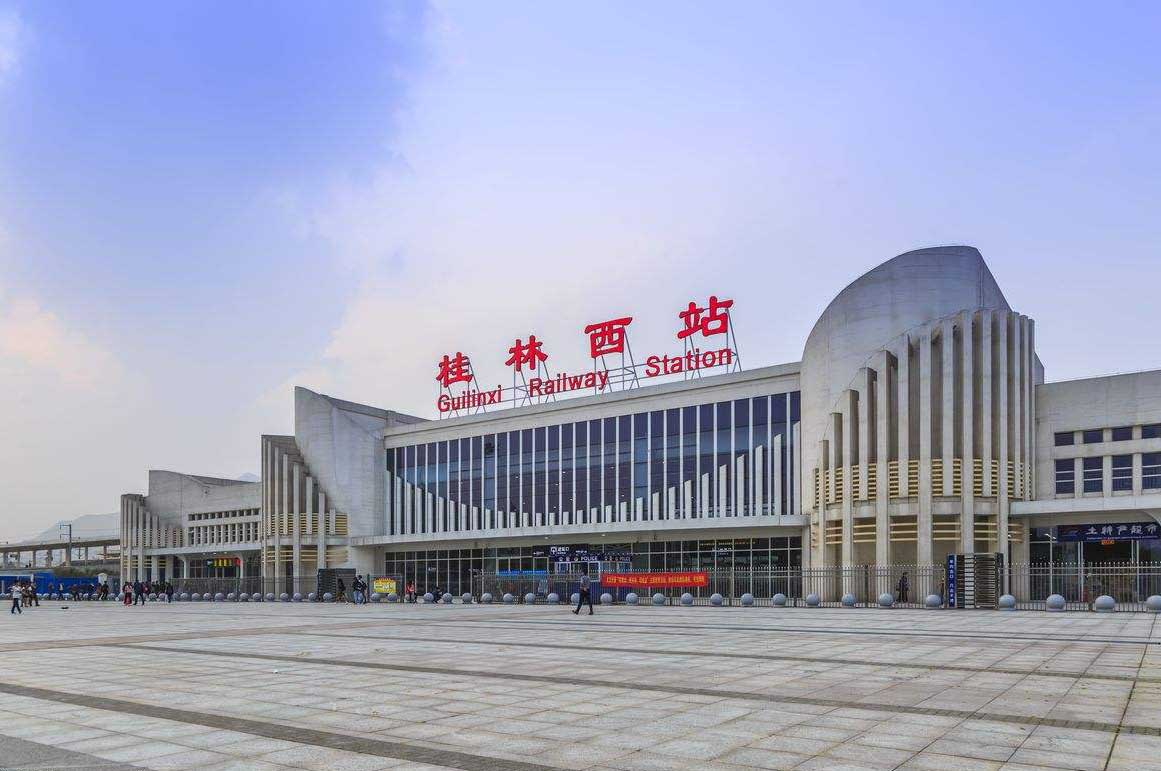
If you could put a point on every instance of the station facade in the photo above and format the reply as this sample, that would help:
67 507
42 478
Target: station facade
918 423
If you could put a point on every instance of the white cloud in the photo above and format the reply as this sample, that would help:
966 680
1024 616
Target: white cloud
36 345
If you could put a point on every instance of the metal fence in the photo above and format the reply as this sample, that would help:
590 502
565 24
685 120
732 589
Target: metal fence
909 585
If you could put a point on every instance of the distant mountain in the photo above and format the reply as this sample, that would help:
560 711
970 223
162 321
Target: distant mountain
249 478
87 526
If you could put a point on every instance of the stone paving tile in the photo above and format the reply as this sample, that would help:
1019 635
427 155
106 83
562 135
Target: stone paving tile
666 688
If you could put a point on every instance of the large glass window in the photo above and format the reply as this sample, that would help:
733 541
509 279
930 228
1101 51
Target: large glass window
722 471
1122 433
1064 438
1093 475
1151 470
1065 477
705 460
1094 436
1122 472
1152 431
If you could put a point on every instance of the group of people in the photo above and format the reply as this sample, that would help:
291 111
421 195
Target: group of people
23 596
360 594
138 592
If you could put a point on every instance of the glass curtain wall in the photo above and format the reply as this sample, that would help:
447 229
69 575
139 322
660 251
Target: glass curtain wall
725 459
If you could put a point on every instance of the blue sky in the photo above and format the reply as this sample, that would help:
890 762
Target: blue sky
202 204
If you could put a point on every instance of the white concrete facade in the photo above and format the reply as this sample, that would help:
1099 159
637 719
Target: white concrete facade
925 428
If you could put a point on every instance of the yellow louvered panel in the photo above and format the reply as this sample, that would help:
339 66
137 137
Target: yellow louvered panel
873 481
856 477
957 476
904 529
945 529
937 476
834 534
912 476
978 477
863 532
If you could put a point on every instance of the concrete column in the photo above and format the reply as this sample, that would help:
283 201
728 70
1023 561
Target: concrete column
865 426
322 529
296 546
924 547
903 422
968 413
1017 376
987 422
1003 423
846 425
946 398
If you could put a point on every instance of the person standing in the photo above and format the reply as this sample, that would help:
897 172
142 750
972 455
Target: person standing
168 592
585 594
127 594
17 596
903 587
341 591
409 592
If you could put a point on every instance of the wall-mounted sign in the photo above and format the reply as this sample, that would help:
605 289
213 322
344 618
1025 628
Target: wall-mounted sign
1116 531
223 562
613 364
383 586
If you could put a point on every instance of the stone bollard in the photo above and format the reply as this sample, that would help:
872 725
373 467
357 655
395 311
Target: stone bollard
256 597
486 598
1153 603
1054 603
631 598
687 599
1104 604
231 597
270 596
392 597
574 598
447 598
310 597
747 600
328 597
1006 602
848 600
886 600
466 598
508 599
243 597
606 599
716 600
813 600
375 597
219 597
284 597
779 600
658 599
933 601
297 597
530 599
195 597
184 596
553 599
429 597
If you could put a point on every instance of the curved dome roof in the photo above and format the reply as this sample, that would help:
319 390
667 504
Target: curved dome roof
903 293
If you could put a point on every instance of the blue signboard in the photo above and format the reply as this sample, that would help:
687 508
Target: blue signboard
952 594
1114 531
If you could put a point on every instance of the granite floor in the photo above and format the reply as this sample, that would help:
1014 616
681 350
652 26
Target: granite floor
276 686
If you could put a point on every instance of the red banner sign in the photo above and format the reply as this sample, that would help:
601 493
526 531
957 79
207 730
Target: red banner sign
655 580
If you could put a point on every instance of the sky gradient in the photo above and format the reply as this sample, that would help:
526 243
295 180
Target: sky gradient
203 204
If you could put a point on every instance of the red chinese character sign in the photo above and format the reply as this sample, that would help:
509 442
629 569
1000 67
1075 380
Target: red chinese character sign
532 382
529 353
458 369
610 338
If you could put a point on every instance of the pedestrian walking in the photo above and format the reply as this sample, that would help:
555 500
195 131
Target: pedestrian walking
33 596
341 591
585 594
127 594
168 592
17 596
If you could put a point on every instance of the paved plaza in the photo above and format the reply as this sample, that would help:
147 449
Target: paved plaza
311 686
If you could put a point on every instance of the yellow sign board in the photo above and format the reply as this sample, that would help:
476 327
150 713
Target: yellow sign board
383 586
